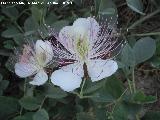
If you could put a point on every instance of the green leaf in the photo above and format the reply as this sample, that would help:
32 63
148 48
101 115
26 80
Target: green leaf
155 62
105 7
30 26
120 64
141 98
51 18
29 103
136 5
36 13
84 116
144 49
158 46
92 86
30 90
126 111
11 12
8 44
1 18
41 115
19 39
54 92
97 4
127 56
107 11
152 115
100 112
4 84
78 2
43 32
66 110
59 24
8 107
26 116
10 32
107 93
21 118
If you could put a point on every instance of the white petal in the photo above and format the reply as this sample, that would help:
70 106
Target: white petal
40 47
99 69
24 70
81 27
69 77
66 38
76 68
49 52
94 29
40 78
88 27
44 51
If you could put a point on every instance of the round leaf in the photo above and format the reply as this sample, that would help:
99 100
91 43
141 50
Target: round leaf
9 106
107 7
144 49
107 93
30 26
152 115
29 103
11 12
54 92
135 5
127 56
84 116
41 115
12 31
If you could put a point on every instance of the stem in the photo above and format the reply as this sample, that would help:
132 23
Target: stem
42 102
82 97
130 85
87 97
21 110
144 18
24 90
20 29
146 34
133 80
24 11
121 5
117 101
137 117
81 92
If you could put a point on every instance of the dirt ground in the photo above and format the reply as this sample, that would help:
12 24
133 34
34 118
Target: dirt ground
149 82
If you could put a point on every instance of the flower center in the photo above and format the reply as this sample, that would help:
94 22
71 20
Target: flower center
41 58
82 48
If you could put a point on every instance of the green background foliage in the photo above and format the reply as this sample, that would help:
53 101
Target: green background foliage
112 98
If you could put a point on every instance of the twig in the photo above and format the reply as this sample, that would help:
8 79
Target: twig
144 18
133 81
83 83
42 102
146 34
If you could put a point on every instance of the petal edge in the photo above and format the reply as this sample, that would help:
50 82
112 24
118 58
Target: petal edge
66 78
99 69
40 78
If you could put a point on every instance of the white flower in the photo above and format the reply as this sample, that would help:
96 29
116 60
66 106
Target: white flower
33 61
87 43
